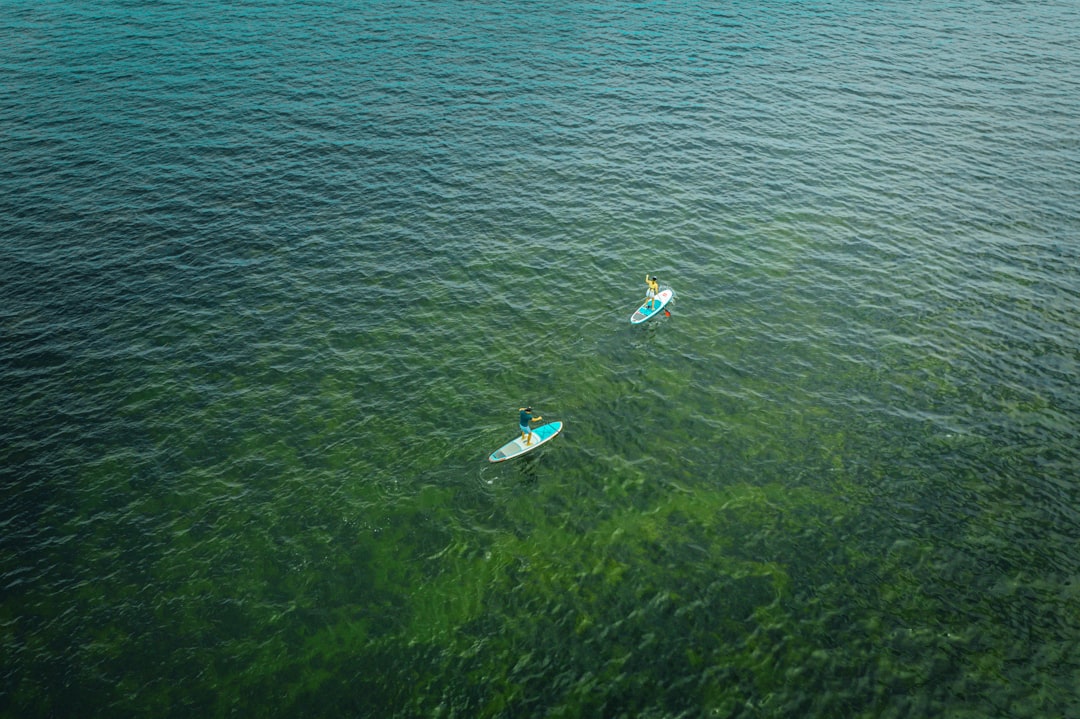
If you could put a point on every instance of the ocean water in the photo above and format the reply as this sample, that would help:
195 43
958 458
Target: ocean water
275 278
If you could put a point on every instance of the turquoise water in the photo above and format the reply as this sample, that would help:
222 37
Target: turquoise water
276 277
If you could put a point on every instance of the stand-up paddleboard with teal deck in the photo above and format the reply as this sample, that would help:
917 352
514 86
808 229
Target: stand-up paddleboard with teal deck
652 306
542 434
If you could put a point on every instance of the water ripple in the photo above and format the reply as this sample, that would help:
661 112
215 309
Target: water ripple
276 279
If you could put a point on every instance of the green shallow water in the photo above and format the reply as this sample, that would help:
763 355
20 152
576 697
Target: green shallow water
276 278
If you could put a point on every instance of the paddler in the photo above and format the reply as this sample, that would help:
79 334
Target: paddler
524 418
654 288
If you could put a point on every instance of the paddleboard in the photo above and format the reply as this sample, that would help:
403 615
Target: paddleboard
540 435
652 307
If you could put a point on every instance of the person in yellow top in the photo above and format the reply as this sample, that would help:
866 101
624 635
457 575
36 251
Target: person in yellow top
654 288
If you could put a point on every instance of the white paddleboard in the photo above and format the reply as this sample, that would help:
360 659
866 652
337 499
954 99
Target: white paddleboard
515 448
652 307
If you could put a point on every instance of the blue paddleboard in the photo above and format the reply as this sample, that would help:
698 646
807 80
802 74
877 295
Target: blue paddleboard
652 306
516 447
